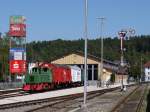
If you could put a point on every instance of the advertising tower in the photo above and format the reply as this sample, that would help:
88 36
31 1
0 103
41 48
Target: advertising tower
17 50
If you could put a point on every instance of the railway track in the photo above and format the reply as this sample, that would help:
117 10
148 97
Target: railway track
13 94
76 98
133 101
73 104
10 91
51 102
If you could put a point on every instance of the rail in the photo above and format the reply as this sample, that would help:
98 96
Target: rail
135 98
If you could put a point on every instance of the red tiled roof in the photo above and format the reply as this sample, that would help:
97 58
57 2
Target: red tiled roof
147 64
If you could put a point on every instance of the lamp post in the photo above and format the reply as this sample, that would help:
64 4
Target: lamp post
85 50
141 76
102 19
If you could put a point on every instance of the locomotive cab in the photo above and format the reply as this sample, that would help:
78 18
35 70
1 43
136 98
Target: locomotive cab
38 78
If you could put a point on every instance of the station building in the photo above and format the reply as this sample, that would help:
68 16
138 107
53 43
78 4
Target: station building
93 67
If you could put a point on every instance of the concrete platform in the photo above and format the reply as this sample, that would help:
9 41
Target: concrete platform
51 94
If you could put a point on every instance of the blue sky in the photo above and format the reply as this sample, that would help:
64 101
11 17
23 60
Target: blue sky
53 19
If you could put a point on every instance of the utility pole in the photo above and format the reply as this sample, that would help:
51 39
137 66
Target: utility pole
85 49
10 44
102 19
141 76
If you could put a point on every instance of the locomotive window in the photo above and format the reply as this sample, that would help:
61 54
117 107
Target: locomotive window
32 78
34 69
45 69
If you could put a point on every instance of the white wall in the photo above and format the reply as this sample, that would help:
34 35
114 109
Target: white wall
147 73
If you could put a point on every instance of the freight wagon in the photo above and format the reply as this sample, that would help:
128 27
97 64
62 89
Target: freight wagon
75 74
50 76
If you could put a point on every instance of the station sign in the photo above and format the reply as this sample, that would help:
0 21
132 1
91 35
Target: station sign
17 66
17 30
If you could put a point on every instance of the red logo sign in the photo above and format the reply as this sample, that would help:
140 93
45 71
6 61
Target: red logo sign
18 66
17 30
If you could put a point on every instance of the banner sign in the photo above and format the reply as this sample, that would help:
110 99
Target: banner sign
17 54
17 60
17 66
17 30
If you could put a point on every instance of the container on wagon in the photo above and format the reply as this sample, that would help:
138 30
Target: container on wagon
75 73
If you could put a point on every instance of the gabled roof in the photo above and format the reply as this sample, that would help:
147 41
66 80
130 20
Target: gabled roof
107 64
92 57
147 64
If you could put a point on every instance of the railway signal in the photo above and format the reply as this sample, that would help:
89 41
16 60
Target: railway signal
122 35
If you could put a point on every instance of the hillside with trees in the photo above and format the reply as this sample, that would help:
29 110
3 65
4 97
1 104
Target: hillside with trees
136 48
